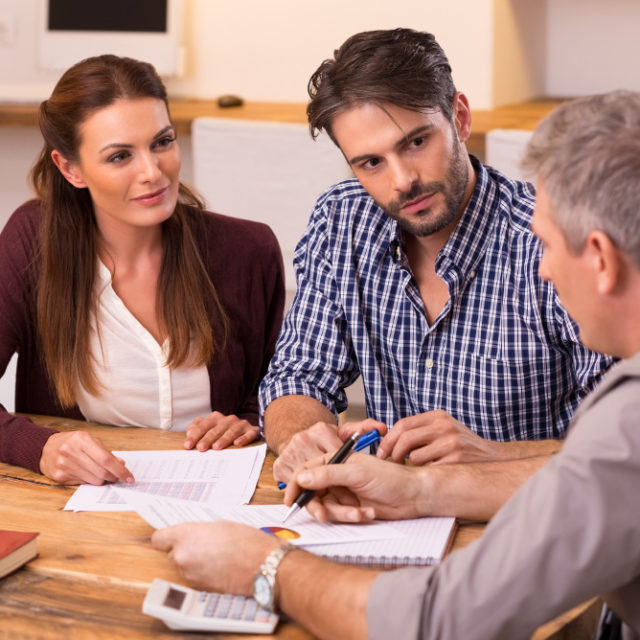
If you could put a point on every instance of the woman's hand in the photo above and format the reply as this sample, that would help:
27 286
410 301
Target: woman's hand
75 457
218 431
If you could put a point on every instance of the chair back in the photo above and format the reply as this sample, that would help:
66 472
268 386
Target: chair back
271 172
504 149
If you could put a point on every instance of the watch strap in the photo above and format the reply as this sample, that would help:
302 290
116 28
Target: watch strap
270 565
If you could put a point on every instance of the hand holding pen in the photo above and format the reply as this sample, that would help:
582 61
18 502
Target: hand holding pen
355 442
370 439
363 489
307 494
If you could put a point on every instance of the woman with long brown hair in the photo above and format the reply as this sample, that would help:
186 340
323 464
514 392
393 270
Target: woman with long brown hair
127 303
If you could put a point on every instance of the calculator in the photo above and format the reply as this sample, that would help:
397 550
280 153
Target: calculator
186 609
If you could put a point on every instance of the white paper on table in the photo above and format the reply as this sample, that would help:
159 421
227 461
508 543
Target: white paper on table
162 512
311 530
227 476
425 542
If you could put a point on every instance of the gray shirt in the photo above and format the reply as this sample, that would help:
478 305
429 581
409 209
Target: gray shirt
570 533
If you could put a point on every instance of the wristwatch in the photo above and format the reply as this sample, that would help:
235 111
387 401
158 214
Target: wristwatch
264 582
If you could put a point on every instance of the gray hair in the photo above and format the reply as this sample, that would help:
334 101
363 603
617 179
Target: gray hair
587 155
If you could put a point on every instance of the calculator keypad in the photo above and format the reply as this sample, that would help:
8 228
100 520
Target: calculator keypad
220 605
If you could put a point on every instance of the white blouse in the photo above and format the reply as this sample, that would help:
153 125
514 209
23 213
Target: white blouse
135 387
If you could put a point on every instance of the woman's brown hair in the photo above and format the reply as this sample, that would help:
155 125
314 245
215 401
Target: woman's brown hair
68 244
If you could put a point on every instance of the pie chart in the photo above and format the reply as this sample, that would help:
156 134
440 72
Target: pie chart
281 532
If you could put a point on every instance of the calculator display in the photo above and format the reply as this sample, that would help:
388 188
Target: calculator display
174 598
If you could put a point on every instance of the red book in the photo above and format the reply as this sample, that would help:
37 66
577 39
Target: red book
16 548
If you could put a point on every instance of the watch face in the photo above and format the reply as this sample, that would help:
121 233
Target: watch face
262 591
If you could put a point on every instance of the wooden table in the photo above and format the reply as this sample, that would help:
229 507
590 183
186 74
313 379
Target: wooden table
94 568
523 115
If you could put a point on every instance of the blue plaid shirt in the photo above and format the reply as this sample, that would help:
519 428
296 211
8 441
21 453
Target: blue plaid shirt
503 356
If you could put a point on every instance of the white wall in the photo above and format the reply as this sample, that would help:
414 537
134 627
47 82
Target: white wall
19 148
519 50
266 51
593 46
20 75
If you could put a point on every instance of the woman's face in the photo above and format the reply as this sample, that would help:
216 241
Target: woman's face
129 160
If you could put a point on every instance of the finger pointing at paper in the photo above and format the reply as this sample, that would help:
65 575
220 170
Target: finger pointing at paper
76 457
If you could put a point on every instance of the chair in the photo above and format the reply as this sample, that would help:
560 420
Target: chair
272 172
504 149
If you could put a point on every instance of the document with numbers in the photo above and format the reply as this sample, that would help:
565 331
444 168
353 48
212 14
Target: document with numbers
229 476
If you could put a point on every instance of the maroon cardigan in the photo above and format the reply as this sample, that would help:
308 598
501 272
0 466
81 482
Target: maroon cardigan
245 264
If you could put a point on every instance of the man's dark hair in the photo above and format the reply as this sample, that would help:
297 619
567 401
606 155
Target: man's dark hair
402 67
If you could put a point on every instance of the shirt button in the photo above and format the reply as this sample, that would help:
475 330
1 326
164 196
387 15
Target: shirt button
429 363
472 274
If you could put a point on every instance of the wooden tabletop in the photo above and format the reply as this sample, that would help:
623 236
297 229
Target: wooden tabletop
94 568
523 115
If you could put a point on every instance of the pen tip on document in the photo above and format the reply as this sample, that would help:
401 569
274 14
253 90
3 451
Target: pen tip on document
292 509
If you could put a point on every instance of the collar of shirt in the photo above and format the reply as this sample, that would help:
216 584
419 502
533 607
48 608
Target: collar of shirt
458 260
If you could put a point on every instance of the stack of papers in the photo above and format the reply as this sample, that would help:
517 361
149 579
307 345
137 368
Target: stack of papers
418 542
210 477
191 486
160 513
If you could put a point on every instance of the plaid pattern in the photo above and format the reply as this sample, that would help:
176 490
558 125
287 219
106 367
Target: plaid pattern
503 356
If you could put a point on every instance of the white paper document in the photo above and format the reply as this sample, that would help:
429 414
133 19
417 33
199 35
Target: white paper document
211 477
310 530
301 530
425 541
163 512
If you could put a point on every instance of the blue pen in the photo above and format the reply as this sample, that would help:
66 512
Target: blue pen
370 439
